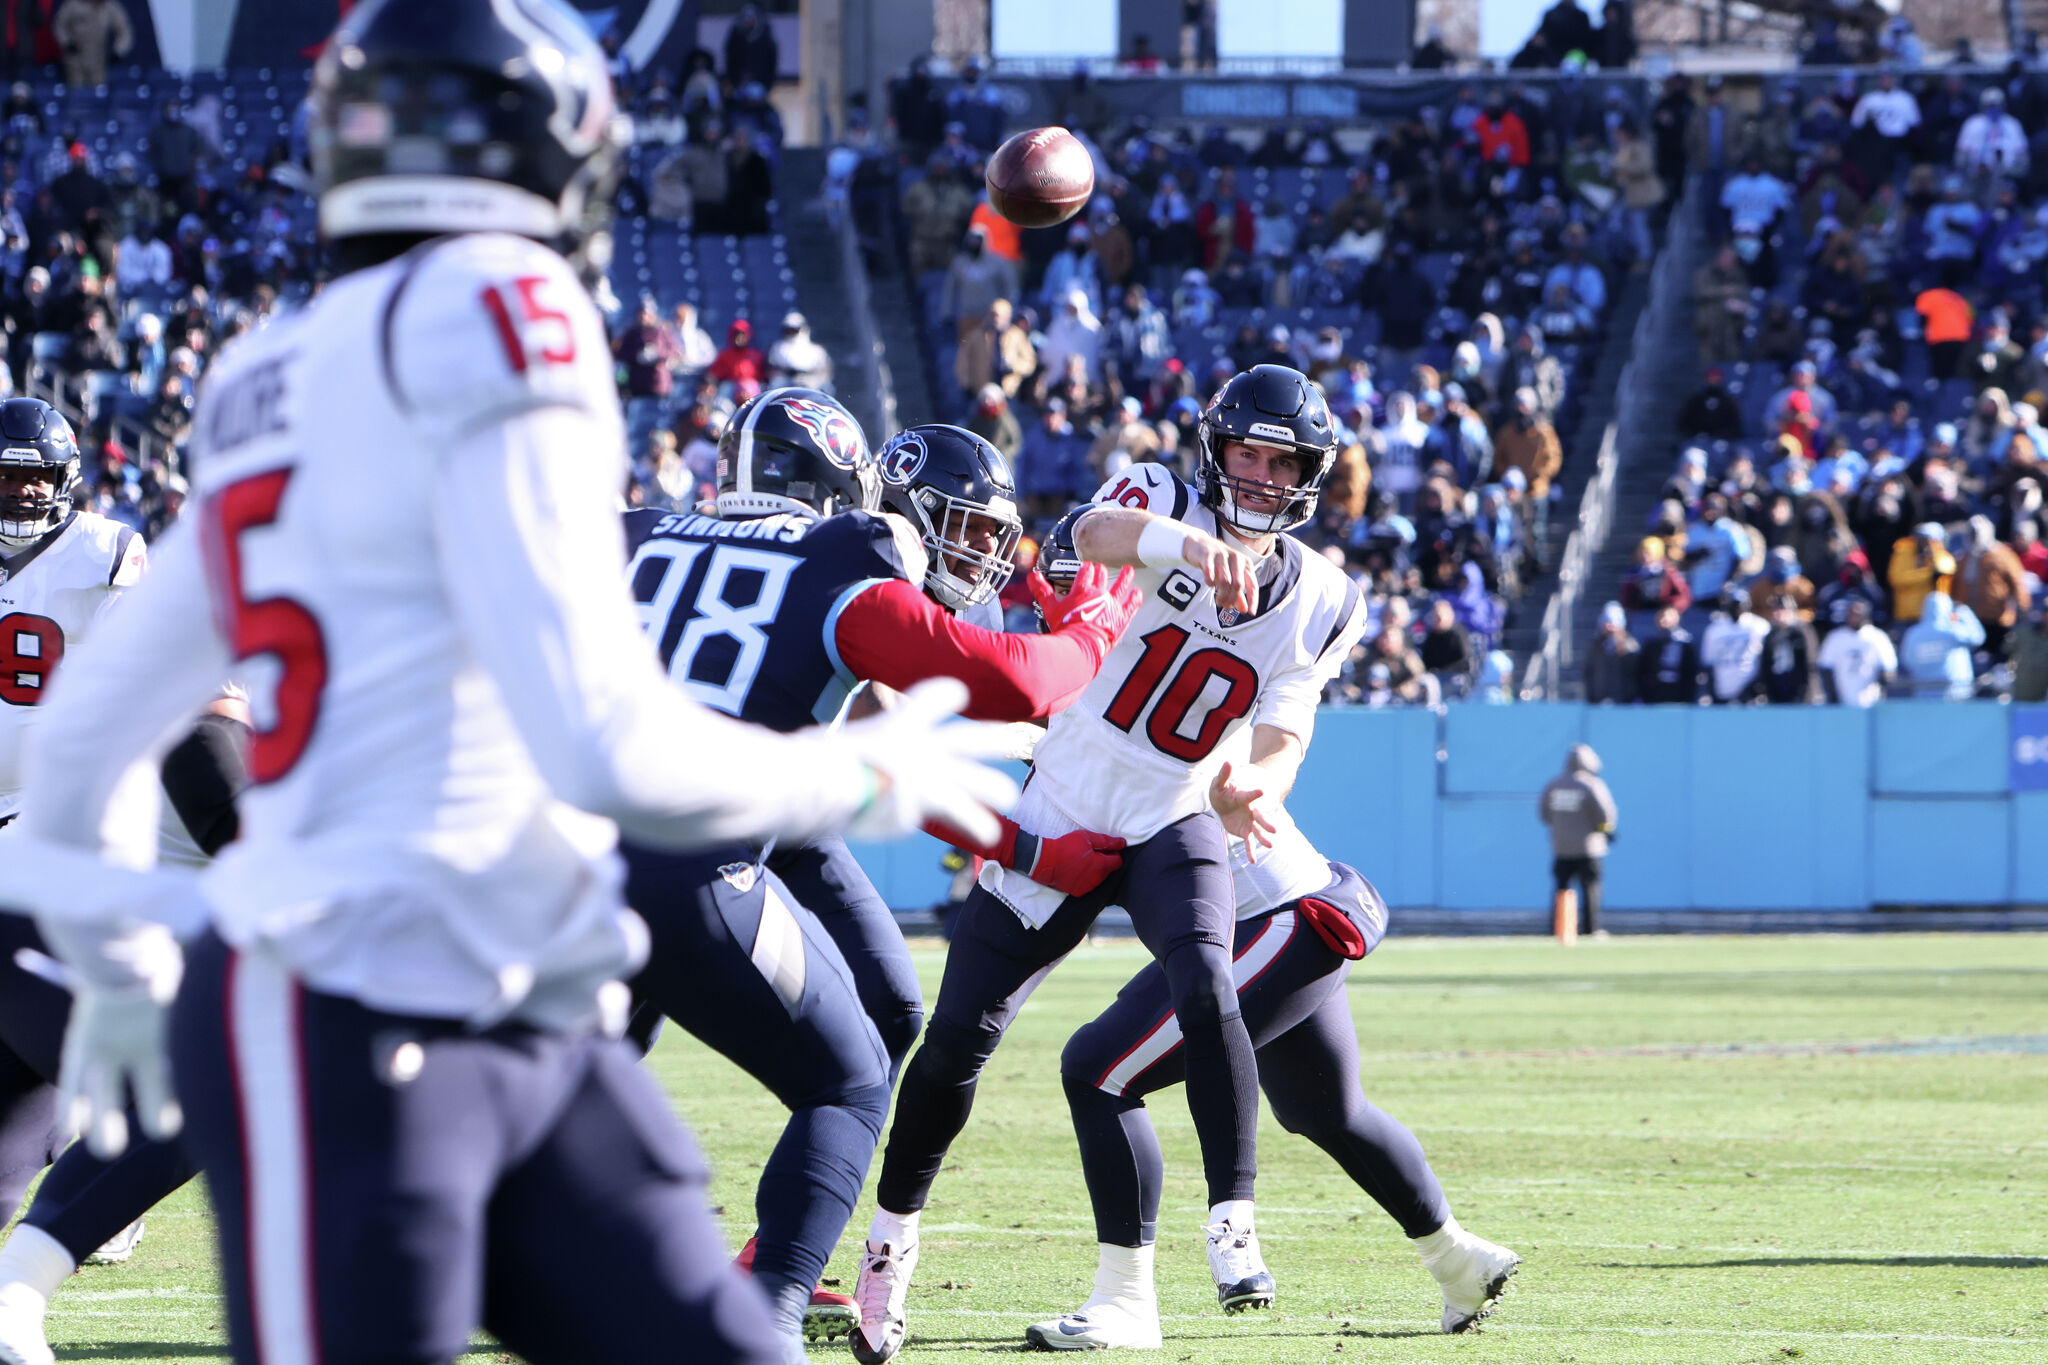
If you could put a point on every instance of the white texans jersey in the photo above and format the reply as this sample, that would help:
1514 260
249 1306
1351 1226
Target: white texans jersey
403 542
50 598
1137 750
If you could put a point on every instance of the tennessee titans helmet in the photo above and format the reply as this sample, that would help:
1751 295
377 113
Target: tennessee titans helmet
940 478
791 449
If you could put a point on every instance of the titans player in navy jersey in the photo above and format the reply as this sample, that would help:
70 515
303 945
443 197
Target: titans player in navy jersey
774 610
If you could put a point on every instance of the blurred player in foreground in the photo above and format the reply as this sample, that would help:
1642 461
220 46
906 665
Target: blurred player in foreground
391 1039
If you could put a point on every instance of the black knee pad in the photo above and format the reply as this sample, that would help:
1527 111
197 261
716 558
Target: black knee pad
899 1034
953 1054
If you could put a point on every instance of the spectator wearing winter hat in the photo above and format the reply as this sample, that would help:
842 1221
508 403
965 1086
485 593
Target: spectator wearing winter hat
796 359
1856 660
1525 441
1992 582
1711 413
1803 380
1935 654
740 365
1781 577
1613 662
1921 566
1653 585
1992 144
993 421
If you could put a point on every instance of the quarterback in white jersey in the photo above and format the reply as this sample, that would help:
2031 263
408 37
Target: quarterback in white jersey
60 569
1240 627
403 539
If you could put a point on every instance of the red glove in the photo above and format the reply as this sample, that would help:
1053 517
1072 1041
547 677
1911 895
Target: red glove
1093 612
1073 864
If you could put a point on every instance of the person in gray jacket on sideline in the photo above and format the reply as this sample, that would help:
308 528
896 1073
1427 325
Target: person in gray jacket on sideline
1581 814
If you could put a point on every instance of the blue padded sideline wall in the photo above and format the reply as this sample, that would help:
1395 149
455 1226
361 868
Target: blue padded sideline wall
1757 808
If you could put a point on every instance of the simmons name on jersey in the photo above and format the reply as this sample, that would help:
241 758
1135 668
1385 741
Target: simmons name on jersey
1137 750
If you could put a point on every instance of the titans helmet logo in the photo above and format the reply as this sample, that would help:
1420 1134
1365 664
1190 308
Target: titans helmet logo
836 433
902 458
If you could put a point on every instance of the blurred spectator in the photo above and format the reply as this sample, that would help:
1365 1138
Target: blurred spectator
750 185
751 53
1613 666
977 106
1921 566
1135 341
1891 114
740 366
1715 548
1935 654
1052 466
1082 106
1072 267
1710 413
1856 661
2027 649
1992 142
1074 333
695 346
1731 648
1992 583
1642 190
1790 657
976 279
708 172
85 31
998 353
1526 442
995 423
1781 578
174 148
1721 305
1447 650
937 207
1853 584
796 359
1670 663
1224 222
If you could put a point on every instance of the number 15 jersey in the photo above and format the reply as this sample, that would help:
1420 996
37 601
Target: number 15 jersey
1138 749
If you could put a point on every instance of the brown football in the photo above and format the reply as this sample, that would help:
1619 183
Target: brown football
1040 177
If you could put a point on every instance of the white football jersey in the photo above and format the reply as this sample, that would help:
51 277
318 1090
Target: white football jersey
48 605
403 541
1137 750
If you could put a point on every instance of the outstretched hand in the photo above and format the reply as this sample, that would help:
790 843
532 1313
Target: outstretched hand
1245 807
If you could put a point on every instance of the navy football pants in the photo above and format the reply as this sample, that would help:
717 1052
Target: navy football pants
1290 986
744 967
84 1201
827 881
382 1184
1176 887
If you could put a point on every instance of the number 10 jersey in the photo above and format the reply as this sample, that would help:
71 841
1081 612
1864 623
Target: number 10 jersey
1138 749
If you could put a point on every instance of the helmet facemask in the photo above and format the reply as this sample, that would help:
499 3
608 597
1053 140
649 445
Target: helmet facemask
960 576
1226 492
27 517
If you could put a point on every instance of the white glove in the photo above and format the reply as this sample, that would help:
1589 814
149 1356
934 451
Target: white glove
114 1047
927 769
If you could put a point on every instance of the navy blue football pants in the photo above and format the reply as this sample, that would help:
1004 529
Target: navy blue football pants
382 1184
742 964
827 881
83 1201
1290 985
1176 886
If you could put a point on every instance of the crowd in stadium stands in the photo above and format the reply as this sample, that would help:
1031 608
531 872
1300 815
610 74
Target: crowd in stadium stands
1858 507
1446 278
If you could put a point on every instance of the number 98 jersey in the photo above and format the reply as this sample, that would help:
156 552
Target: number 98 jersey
1138 749
58 588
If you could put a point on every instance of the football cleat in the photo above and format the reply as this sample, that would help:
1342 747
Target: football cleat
21 1326
881 1297
1242 1280
1100 1326
827 1317
1473 1274
119 1247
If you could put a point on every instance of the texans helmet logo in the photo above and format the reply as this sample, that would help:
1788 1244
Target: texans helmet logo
902 458
835 432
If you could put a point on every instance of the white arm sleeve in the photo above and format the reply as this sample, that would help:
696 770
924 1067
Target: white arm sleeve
533 560
150 664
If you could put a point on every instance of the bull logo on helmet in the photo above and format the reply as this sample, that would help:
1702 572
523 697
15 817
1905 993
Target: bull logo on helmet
902 458
837 435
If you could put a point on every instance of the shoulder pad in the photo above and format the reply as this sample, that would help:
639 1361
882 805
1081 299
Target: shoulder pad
482 327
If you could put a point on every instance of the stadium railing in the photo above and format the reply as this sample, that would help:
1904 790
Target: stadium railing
1634 433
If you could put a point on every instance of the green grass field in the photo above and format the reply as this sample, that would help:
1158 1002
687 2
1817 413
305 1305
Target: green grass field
1706 1149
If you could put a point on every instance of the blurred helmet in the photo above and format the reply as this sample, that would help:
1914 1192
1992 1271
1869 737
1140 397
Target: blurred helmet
794 450
35 437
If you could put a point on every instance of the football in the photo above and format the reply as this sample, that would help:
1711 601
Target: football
1040 177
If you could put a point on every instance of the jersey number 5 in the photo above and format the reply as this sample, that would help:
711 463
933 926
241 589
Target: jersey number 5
275 626
1189 685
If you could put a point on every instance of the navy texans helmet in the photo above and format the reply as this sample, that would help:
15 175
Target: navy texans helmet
791 449
1267 405
35 438
464 116
941 478
1059 560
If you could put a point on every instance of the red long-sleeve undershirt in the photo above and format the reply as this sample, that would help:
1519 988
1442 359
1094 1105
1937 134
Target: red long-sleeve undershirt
894 635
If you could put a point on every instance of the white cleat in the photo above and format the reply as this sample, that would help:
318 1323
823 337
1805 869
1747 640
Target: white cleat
1109 1325
119 1247
1242 1280
21 1326
881 1295
1473 1274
